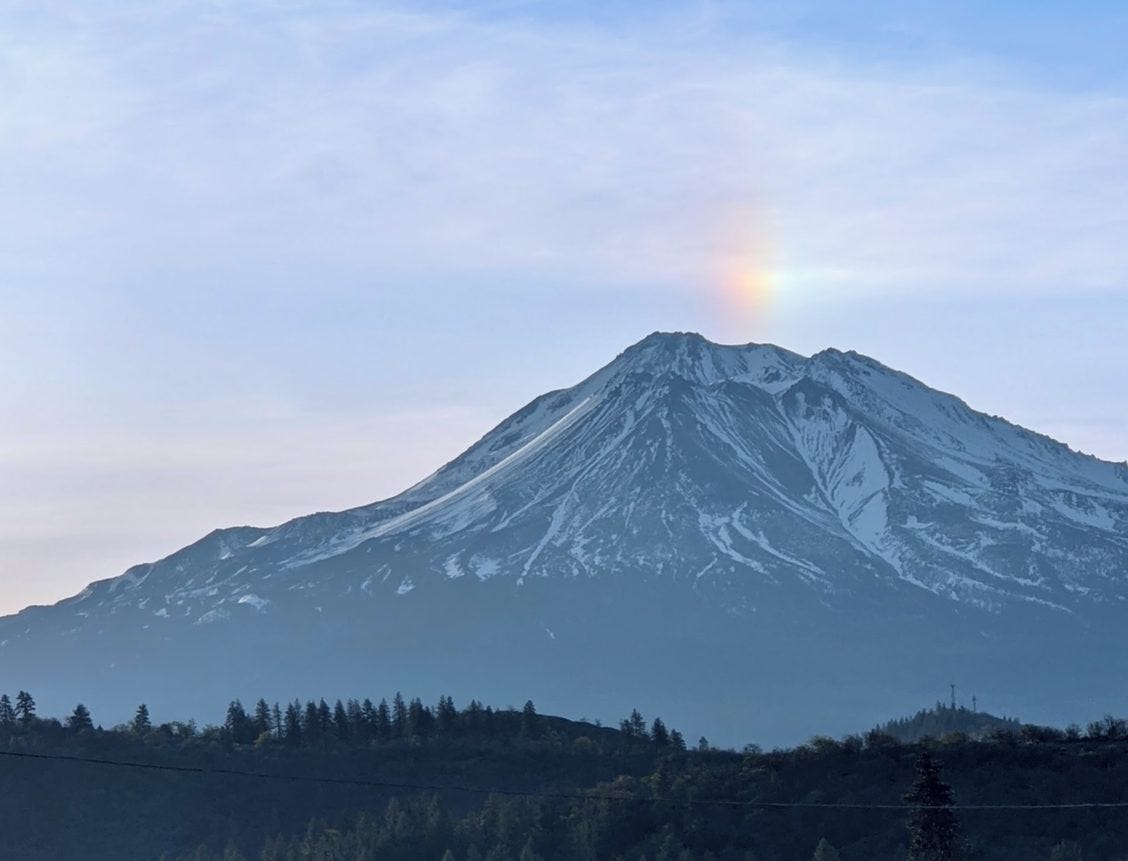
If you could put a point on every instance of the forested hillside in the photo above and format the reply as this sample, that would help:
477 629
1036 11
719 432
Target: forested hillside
270 769
942 720
357 780
754 806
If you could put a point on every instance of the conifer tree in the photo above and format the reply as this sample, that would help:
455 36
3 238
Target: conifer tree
293 724
324 716
311 722
529 721
633 726
355 716
261 719
25 708
7 713
446 715
659 733
141 723
340 721
237 724
472 716
933 831
383 723
418 719
399 716
368 719
80 719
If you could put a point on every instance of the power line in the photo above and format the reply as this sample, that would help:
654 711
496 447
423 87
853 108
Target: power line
565 796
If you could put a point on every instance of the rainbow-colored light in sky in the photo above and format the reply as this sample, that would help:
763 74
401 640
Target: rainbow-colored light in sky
747 279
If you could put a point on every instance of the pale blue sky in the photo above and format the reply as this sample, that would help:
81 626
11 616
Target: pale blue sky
259 259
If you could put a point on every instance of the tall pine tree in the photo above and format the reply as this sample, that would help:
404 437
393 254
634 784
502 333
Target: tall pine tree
399 716
934 834
141 723
80 719
261 720
25 708
383 723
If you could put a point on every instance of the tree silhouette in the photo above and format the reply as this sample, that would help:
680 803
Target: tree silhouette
634 726
934 834
25 708
238 724
261 720
529 719
399 715
418 719
446 715
293 723
340 721
311 722
80 718
324 716
382 725
141 723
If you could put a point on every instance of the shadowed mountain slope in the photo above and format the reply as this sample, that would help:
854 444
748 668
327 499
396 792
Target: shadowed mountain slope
707 531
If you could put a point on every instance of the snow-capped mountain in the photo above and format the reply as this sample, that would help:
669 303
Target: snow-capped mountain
686 495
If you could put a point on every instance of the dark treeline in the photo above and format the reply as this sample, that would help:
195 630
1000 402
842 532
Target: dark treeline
353 722
943 719
59 808
565 790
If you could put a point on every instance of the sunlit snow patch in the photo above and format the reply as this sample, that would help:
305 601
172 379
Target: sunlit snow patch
254 600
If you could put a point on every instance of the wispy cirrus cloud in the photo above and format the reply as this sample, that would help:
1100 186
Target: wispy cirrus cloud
288 134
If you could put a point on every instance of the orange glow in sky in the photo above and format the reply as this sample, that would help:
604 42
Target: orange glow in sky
746 279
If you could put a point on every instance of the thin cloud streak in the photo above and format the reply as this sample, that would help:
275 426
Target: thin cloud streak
390 140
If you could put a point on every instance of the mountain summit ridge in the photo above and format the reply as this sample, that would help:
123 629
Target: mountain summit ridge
840 413
747 480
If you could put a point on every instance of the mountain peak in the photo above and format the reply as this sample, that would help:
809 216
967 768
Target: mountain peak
673 339
695 358
686 488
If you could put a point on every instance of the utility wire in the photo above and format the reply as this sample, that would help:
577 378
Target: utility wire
566 796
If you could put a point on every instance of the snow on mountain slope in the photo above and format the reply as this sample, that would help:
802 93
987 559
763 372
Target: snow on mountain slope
739 472
742 538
